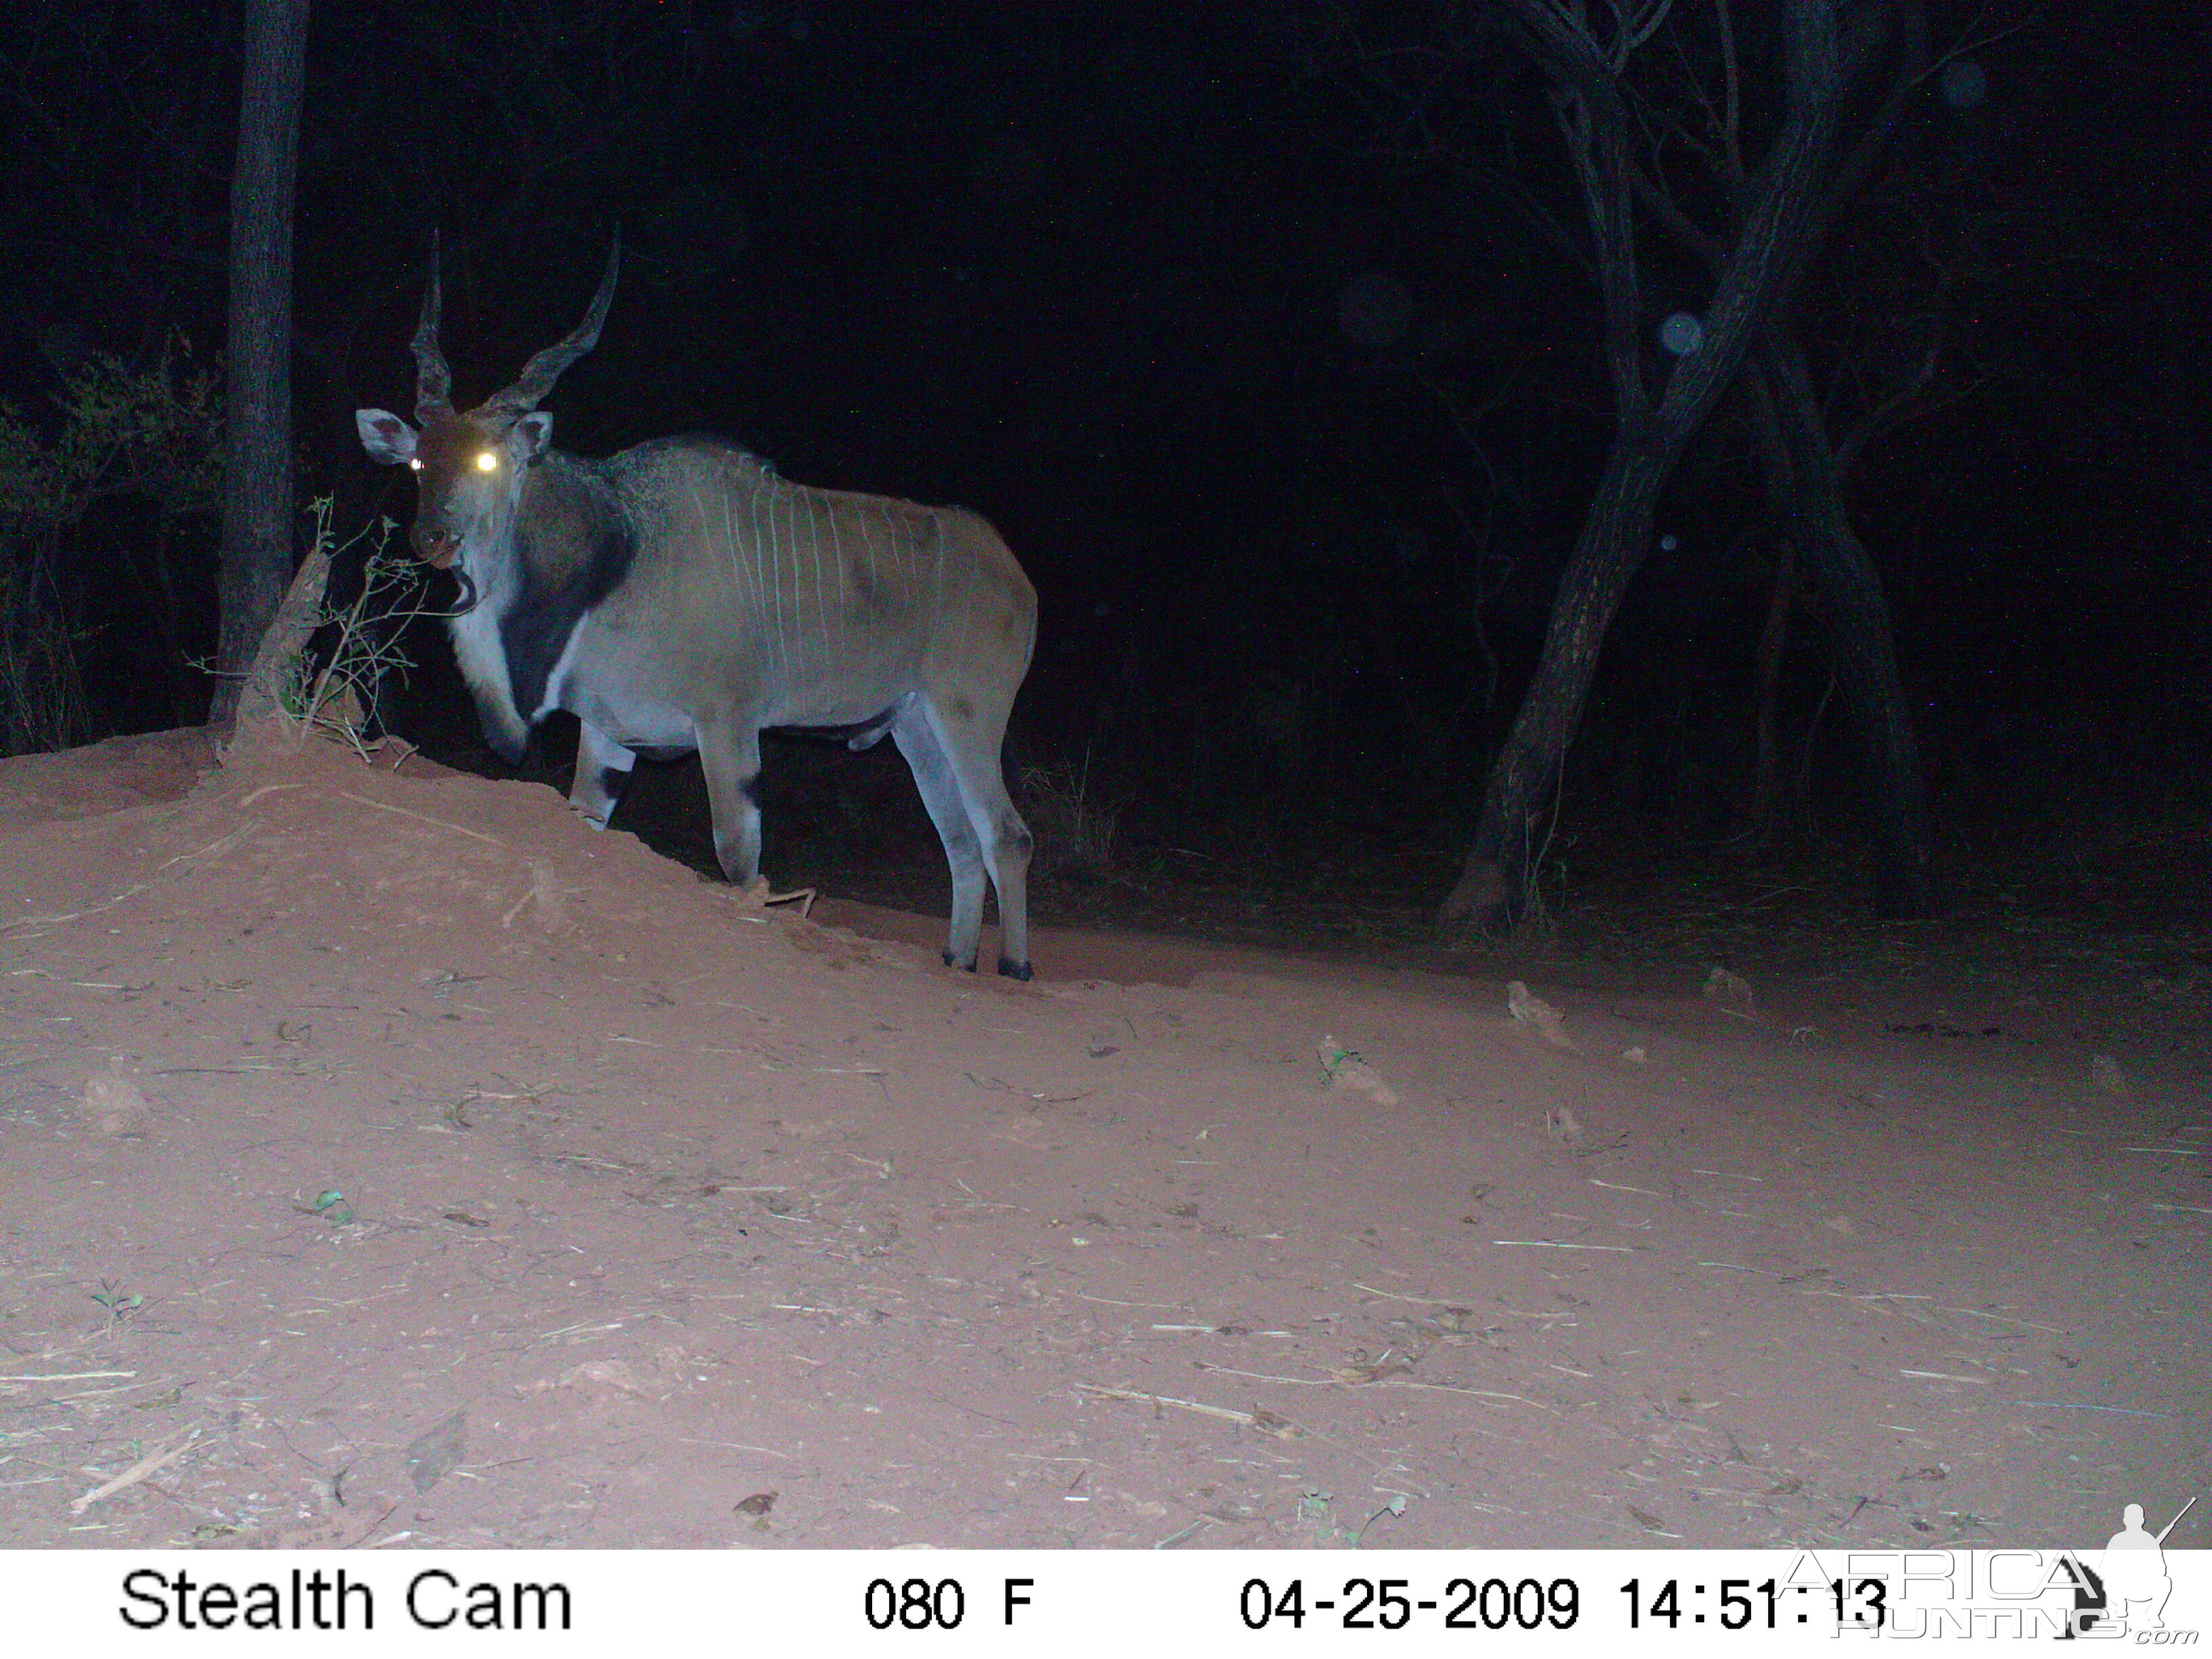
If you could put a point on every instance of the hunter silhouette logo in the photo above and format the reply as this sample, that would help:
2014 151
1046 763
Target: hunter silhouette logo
2135 1582
2126 1593
2119 1593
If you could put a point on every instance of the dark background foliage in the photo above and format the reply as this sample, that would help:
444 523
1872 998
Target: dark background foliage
1278 368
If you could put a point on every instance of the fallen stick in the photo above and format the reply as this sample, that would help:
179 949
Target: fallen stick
77 915
1264 1422
758 897
422 817
145 1468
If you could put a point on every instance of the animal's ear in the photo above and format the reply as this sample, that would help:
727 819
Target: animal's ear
388 439
533 437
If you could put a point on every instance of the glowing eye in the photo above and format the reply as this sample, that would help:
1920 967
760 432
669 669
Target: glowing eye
487 462
416 464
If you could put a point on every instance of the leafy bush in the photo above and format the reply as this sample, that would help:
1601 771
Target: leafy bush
154 434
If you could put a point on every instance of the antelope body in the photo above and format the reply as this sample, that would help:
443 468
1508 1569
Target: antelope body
682 596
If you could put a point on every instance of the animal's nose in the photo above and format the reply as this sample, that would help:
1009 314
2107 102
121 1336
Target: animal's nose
435 546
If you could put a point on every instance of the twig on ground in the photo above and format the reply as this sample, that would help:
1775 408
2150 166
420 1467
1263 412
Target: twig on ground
1265 1422
145 1468
422 818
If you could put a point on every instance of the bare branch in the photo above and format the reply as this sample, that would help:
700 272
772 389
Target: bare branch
1731 122
1596 124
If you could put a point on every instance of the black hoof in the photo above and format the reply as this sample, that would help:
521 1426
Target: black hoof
1020 970
951 960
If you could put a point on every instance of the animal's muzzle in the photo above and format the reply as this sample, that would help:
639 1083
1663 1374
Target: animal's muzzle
441 551
436 548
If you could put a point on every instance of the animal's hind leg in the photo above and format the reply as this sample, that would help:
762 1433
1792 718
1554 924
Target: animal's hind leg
602 773
730 752
970 744
940 793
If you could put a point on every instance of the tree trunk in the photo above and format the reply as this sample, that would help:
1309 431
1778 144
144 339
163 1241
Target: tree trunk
1781 223
257 500
262 726
1771 638
1615 538
1907 880
1779 488
174 675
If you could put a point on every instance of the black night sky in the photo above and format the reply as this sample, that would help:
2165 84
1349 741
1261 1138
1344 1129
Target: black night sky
1270 335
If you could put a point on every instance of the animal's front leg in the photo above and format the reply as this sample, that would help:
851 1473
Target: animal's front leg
730 751
603 769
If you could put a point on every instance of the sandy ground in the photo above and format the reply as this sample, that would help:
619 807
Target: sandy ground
667 1221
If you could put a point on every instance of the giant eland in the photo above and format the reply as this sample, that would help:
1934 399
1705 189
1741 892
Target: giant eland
682 596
